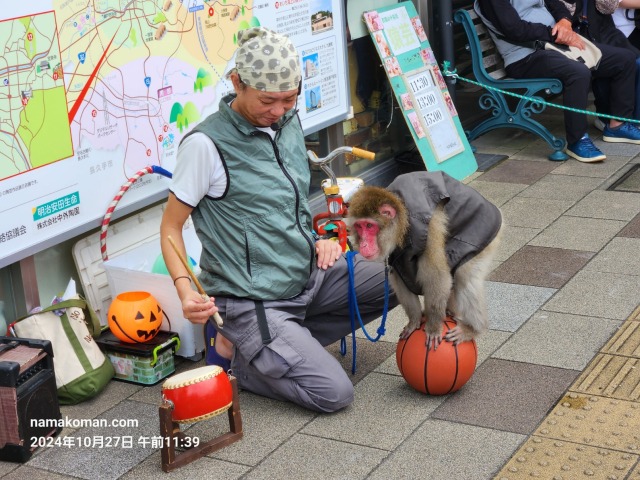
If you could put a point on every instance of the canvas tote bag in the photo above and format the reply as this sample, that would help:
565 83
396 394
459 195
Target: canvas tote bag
81 369
590 56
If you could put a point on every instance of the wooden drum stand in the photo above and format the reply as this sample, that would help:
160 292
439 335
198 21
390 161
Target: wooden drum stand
174 438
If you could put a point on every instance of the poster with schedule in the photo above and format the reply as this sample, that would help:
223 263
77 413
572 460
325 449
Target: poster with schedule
420 89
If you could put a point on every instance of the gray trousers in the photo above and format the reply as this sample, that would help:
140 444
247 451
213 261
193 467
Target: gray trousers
295 366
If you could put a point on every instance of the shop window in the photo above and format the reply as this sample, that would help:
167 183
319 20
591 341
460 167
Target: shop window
377 124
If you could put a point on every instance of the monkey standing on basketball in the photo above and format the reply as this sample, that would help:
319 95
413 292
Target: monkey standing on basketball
439 237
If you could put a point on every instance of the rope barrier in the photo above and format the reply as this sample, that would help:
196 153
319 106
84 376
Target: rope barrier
454 74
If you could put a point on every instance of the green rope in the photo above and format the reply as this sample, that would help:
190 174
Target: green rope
454 74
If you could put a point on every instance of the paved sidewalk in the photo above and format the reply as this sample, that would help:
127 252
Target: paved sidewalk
555 393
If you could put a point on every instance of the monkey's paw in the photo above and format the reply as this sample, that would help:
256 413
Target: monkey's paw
460 333
433 340
409 329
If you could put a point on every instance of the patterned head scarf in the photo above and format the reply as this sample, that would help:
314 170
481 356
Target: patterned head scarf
267 61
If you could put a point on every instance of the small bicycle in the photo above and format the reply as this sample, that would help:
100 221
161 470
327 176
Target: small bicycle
330 224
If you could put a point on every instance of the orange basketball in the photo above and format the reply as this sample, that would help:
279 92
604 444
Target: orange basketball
440 371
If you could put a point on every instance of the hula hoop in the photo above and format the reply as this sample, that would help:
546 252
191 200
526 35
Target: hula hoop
112 206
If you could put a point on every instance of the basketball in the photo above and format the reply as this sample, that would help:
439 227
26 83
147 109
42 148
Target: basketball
440 371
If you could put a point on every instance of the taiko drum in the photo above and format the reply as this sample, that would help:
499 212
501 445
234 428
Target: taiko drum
198 394
440 371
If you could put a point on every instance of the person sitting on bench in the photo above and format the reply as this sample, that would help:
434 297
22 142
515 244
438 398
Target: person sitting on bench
522 26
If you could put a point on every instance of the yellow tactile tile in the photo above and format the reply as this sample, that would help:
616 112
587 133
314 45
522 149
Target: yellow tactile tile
612 376
594 431
594 421
626 341
615 371
559 460
635 474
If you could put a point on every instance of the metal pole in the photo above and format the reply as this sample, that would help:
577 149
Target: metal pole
332 137
445 8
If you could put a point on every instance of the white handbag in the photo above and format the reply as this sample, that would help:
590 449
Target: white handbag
590 56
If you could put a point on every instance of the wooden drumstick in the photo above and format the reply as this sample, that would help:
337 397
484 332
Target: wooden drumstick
205 297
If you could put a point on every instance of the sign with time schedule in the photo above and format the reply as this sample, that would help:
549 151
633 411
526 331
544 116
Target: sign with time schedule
420 89
432 112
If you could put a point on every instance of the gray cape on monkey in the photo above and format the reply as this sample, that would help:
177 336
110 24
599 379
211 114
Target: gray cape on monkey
473 221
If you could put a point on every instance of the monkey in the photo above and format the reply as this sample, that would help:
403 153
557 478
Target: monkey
439 237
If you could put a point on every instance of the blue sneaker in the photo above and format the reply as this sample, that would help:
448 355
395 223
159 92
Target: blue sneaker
211 356
585 151
625 133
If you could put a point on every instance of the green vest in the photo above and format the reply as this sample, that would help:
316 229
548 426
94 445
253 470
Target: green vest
256 239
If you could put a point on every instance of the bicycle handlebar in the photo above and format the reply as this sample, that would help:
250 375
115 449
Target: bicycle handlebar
324 162
366 154
358 152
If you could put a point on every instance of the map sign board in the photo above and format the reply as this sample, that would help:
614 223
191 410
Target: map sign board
420 89
93 91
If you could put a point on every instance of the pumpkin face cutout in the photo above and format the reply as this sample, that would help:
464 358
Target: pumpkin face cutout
135 317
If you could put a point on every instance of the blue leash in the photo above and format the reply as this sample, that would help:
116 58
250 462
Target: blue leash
353 311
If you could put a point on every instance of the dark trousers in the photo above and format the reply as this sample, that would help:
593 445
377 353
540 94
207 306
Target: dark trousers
602 91
617 65
634 38
295 366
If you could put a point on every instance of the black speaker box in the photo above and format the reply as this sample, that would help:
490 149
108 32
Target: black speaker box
29 408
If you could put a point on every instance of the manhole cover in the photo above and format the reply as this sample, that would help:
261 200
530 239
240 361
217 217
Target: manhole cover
629 181
486 161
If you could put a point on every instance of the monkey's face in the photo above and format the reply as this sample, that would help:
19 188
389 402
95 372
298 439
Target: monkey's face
377 220
367 230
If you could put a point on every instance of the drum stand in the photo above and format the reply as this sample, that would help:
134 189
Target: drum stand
174 438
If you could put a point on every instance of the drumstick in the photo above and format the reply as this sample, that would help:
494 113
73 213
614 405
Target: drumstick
216 316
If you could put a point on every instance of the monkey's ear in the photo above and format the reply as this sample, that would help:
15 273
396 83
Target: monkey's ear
387 210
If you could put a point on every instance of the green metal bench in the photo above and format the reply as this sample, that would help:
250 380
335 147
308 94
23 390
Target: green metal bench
488 69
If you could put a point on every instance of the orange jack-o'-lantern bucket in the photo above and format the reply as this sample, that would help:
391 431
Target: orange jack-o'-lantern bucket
198 394
135 317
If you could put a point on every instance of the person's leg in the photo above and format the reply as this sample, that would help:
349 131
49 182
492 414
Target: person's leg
576 81
636 110
223 347
602 87
601 90
328 316
294 366
218 349
618 66
634 38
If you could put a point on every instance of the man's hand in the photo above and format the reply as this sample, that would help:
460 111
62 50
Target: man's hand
564 34
327 252
195 308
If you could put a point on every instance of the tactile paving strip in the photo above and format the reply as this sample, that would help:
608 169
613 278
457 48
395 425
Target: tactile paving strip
615 371
635 315
554 459
594 431
626 341
612 376
596 421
